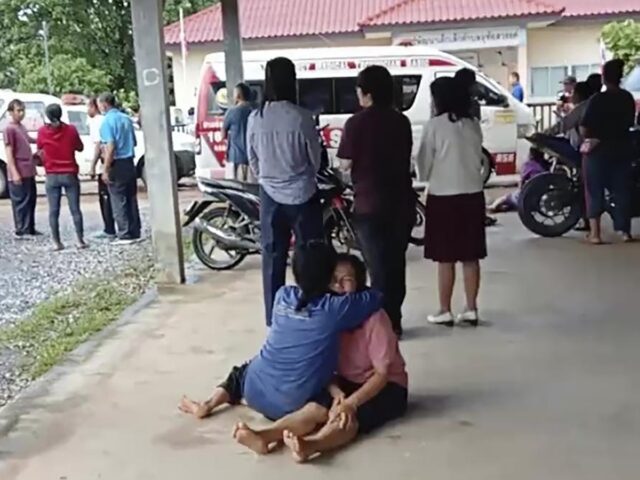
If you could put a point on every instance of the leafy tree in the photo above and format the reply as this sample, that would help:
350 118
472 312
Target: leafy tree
97 31
623 40
68 74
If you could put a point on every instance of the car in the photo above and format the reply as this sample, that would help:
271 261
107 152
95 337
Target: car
632 83
35 103
183 145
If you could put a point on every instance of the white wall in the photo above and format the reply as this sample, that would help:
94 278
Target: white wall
566 45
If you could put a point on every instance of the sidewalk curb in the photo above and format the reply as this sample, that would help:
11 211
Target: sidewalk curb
10 414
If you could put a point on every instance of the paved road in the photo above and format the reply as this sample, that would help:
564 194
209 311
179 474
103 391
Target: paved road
547 388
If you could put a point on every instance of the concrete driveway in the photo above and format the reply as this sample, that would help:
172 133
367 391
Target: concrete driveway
548 388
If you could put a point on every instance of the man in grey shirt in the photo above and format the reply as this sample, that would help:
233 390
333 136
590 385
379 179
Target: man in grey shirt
284 154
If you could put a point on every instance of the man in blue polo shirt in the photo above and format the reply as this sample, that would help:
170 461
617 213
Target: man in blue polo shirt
118 137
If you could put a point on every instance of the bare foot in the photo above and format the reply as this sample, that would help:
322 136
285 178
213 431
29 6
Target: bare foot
594 240
297 446
250 439
191 407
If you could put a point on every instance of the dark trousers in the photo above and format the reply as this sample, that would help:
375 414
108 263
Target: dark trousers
105 207
24 196
605 170
123 188
55 185
277 221
384 243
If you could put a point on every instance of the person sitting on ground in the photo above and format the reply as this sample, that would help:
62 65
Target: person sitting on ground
534 166
369 390
300 355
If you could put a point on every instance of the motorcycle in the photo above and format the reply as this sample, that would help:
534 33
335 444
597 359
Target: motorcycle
227 221
552 203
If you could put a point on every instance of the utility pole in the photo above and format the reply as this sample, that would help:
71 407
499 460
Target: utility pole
148 39
45 36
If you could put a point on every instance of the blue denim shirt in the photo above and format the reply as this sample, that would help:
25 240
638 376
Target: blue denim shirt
300 355
235 126
284 151
117 128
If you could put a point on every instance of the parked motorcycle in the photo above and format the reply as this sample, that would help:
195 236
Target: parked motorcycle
227 222
552 203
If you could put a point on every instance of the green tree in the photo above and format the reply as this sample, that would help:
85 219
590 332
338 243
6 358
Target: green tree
623 40
97 31
68 74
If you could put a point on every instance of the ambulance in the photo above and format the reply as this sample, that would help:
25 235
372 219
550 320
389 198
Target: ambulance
327 87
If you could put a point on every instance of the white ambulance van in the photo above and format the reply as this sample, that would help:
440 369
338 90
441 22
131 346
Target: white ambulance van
327 86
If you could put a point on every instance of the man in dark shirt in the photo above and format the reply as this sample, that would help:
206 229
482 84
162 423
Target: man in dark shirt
606 126
22 171
378 141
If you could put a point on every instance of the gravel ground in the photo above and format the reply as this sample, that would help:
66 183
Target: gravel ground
31 272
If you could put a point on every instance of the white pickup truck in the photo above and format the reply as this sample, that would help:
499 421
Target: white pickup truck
35 103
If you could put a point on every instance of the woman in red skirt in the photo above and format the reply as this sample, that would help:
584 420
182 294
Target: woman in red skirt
450 160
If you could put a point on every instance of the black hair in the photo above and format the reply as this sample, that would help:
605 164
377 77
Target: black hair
359 268
54 113
595 82
451 98
13 104
108 98
376 81
583 91
466 78
613 71
93 101
516 75
313 265
279 81
245 91
191 111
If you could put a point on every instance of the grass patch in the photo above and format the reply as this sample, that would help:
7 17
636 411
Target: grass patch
58 325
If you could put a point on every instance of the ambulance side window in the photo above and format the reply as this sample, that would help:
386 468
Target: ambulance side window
346 97
488 96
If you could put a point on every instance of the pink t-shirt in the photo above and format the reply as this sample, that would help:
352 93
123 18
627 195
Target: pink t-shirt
374 345
16 136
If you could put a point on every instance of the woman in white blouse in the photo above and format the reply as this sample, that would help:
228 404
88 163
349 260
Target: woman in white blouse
450 160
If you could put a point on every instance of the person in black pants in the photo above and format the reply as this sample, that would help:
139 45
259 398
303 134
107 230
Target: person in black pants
606 126
104 199
21 170
283 151
377 143
118 137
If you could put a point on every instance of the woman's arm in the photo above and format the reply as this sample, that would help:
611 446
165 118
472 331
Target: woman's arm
426 154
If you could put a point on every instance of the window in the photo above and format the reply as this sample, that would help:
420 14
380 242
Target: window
487 96
218 101
346 98
405 90
79 120
316 95
547 81
34 116
581 72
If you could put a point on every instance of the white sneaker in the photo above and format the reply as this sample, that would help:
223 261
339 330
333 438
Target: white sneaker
469 317
445 318
125 241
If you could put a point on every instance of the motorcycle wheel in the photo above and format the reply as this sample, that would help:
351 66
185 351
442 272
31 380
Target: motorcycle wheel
339 231
487 166
205 247
417 233
549 205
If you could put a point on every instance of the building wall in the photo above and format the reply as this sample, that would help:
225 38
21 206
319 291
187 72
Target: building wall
570 48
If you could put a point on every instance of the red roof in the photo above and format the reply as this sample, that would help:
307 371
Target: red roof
582 8
287 18
435 11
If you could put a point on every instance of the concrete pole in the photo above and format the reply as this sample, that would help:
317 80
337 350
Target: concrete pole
160 168
232 44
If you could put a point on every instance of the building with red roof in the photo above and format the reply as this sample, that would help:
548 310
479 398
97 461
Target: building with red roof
544 40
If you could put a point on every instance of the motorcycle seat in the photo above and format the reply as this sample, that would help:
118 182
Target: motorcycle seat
252 188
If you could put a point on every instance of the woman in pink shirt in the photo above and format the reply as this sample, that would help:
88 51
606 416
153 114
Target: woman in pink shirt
371 385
